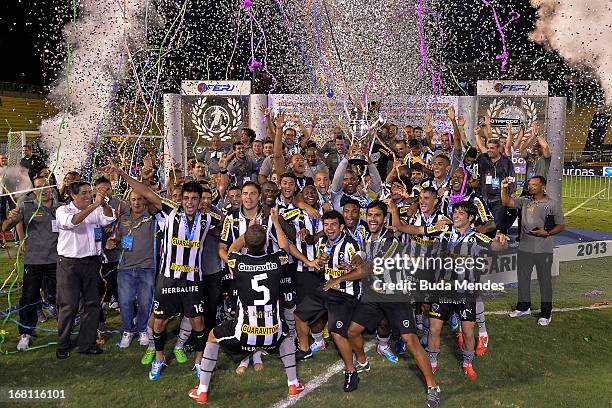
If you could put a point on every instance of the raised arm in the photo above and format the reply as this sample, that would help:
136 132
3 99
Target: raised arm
508 145
139 187
428 130
456 131
279 160
307 132
270 129
461 123
488 130
541 140
519 139
480 145
525 145
336 185
67 221
375 180
507 200
14 217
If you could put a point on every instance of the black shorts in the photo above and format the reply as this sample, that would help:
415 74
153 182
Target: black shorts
442 311
306 283
173 296
338 306
399 315
287 283
225 333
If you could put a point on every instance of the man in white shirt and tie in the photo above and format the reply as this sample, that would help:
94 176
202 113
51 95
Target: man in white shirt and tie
79 247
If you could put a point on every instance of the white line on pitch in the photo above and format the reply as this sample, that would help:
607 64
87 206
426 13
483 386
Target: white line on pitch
596 209
338 366
583 203
318 381
563 309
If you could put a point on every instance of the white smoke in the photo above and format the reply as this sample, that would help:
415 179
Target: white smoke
14 178
581 32
98 44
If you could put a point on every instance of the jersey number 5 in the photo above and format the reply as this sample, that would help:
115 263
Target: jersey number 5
261 289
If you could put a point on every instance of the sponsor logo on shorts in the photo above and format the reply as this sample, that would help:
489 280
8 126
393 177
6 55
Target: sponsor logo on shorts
181 289
339 324
406 323
259 330
156 310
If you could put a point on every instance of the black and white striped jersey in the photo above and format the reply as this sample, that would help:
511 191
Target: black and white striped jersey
451 246
484 214
312 226
291 213
404 208
423 245
416 189
338 252
236 224
182 241
384 246
257 280
434 184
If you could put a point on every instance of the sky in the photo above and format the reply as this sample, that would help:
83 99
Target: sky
31 40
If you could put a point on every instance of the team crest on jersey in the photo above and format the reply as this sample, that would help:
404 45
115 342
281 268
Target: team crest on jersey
341 256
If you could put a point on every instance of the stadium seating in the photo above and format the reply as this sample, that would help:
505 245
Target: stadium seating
23 113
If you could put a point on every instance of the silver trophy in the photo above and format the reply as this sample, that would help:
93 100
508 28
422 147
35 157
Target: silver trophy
362 131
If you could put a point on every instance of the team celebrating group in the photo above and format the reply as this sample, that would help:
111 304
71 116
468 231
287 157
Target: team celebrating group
269 245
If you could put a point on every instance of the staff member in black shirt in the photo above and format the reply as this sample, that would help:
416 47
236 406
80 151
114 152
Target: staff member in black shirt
492 169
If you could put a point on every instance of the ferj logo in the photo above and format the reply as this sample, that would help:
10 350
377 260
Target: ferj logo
500 87
204 87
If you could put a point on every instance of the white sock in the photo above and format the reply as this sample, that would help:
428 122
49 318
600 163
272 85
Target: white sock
290 320
245 363
318 337
480 319
184 332
257 358
150 336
